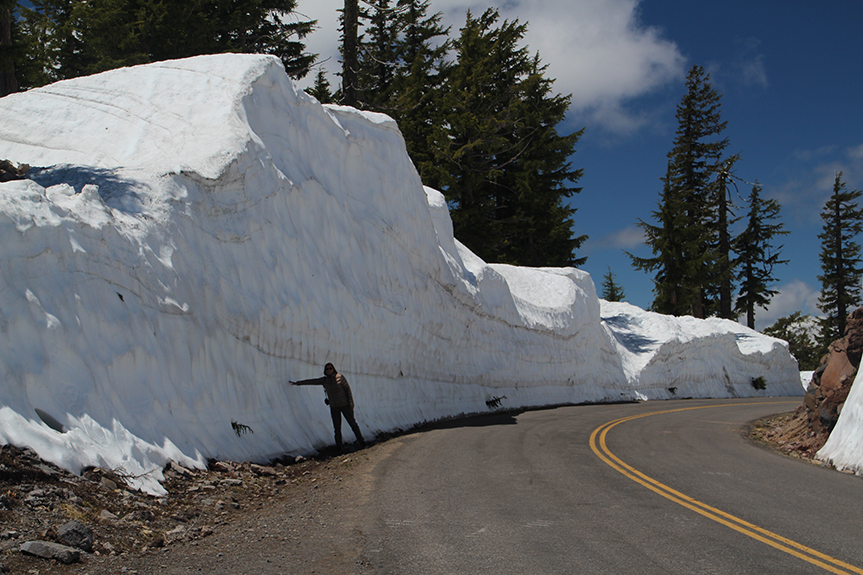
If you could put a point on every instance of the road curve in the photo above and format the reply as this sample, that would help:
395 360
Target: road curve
581 490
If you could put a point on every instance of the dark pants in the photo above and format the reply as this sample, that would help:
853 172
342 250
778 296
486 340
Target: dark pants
348 412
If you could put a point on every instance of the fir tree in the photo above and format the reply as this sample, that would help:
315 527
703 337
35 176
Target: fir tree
71 38
350 55
377 59
797 330
685 237
321 89
725 263
501 163
418 83
840 260
757 256
611 290
8 83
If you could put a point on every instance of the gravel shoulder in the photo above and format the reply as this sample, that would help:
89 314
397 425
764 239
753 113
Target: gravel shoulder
231 518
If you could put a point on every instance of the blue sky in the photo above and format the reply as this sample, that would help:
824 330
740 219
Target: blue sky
790 75
791 78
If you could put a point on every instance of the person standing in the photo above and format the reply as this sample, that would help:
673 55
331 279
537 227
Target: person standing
339 398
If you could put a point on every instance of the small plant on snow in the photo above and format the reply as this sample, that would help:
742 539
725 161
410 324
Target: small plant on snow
240 429
494 402
759 382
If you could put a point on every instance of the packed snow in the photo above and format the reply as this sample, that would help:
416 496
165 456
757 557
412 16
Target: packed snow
196 233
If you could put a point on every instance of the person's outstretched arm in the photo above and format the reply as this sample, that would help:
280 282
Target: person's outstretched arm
315 381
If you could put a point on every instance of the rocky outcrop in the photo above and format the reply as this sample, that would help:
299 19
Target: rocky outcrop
832 381
9 171
807 431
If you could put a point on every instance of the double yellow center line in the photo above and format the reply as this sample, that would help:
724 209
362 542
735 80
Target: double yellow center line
600 448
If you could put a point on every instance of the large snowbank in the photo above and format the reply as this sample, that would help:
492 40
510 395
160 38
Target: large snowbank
201 231
844 447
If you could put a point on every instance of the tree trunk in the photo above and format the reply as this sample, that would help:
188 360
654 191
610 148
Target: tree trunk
8 84
350 63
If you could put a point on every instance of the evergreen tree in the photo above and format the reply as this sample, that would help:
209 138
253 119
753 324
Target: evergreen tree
377 59
685 237
611 290
797 330
8 82
724 271
757 256
500 161
321 88
402 68
418 83
840 260
350 55
78 38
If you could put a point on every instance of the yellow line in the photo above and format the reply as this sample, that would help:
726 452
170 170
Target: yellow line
758 533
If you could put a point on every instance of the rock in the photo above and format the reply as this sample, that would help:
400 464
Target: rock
107 515
76 534
808 431
108 484
175 534
48 550
263 470
223 466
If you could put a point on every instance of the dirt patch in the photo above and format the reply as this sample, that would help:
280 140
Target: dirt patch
789 434
230 518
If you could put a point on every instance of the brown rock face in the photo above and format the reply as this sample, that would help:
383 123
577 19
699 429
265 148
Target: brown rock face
808 430
832 381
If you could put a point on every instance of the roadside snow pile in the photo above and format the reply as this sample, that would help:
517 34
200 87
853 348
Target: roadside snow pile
201 231
666 356
844 447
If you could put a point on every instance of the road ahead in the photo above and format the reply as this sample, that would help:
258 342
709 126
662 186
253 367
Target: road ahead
567 490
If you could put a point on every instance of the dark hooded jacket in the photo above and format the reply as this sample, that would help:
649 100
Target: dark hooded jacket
336 387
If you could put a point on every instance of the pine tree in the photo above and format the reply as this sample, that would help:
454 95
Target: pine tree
725 263
8 82
840 259
350 55
797 330
685 237
69 38
377 57
611 290
500 161
418 83
757 256
321 88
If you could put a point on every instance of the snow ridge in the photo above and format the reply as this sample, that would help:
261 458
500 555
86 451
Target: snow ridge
201 231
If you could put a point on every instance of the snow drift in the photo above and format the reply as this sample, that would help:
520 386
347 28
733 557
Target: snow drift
198 232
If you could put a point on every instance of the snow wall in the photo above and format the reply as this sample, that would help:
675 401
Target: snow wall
195 233
844 447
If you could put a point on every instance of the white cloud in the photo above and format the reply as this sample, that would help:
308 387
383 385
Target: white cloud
598 50
627 238
795 295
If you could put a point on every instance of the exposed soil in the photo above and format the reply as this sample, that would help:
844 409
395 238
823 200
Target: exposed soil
789 434
231 518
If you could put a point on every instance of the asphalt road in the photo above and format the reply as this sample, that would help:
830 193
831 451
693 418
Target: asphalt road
568 490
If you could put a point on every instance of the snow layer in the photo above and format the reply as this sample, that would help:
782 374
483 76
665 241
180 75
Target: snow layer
201 231
844 447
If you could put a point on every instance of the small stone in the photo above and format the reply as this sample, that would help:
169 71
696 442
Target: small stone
107 515
263 470
108 484
48 550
